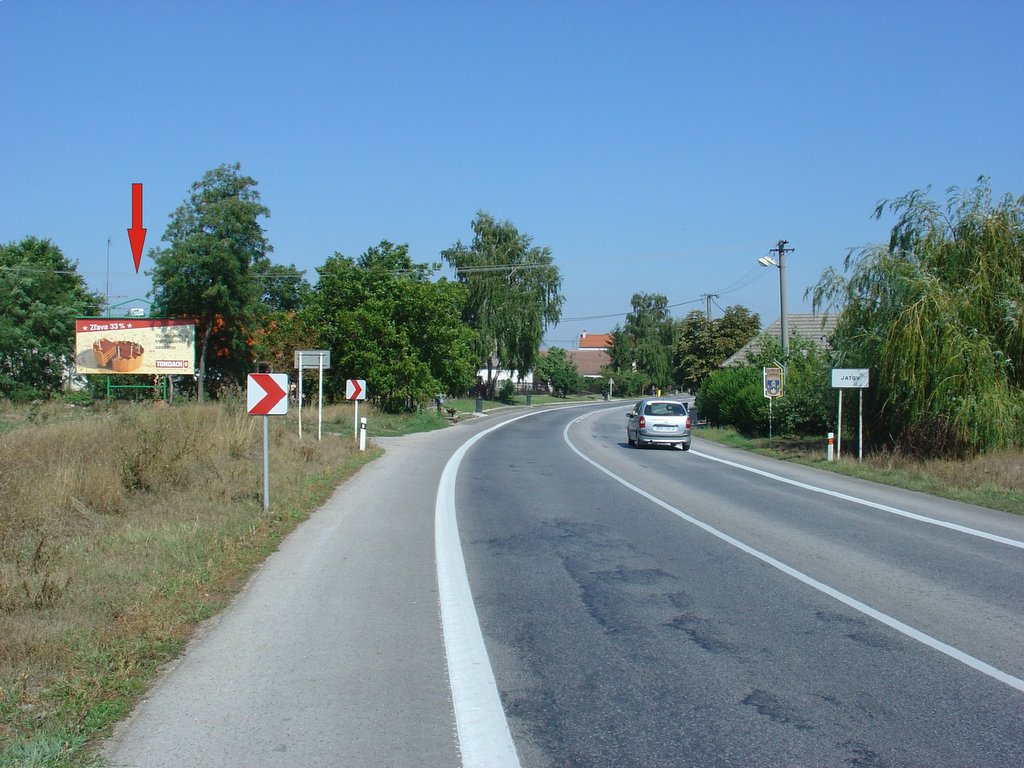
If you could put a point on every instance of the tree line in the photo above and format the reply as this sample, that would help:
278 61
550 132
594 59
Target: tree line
383 316
936 314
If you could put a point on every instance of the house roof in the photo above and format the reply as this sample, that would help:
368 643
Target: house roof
595 340
817 328
589 362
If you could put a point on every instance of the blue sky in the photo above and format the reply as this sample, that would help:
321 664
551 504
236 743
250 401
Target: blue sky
657 147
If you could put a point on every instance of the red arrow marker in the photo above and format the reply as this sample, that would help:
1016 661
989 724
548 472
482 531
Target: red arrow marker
274 394
137 234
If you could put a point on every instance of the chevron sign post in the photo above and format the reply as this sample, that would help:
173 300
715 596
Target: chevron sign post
266 394
355 389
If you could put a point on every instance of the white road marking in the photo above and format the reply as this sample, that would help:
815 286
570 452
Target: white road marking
899 626
484 738
866 503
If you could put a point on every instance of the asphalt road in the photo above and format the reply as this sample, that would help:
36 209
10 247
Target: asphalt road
726 625
621 608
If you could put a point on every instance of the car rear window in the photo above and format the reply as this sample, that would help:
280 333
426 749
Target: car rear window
665 409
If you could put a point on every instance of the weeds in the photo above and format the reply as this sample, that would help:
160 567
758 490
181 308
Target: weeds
120 529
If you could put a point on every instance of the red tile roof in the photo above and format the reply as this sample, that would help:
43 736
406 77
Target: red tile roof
595 340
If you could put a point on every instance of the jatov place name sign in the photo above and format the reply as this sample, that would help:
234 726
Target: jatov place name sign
850 378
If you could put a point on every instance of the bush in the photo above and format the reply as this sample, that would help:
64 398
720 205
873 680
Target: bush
734 396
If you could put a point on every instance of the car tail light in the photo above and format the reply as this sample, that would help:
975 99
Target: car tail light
689 422
643 423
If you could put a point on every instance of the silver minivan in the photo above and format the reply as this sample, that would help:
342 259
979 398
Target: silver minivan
659 421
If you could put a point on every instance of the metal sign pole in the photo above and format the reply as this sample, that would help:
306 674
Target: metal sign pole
320 399
300 399
356 425
266 463
839 428
860 426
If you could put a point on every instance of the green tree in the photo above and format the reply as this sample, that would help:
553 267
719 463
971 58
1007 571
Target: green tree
697 354
209 271
41 294
559 370
705 344
282 287
514 294
387 323
645 343
938 317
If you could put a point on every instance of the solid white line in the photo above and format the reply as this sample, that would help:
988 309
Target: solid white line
484 738
866 503
899 626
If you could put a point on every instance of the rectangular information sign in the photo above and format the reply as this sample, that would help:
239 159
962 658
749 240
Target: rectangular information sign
151 346
313 358
850 378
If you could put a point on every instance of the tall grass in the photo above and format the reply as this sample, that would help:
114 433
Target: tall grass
120 529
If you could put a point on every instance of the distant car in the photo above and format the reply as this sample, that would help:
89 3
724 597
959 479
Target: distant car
659 421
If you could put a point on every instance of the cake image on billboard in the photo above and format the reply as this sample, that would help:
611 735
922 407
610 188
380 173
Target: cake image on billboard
119 356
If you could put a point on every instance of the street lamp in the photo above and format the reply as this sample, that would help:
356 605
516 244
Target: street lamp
768 261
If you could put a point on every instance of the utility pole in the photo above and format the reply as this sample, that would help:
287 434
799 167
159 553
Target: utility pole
106 309
707 298
782 250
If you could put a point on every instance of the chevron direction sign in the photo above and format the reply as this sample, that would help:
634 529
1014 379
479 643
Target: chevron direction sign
266 394
355 389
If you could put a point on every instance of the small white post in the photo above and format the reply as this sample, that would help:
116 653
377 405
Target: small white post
362 434
831 437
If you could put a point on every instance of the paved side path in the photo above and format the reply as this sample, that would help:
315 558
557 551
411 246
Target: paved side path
333 655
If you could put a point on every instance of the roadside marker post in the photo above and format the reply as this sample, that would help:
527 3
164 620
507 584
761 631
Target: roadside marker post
266 395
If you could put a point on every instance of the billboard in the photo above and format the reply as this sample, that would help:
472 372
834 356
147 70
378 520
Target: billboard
151 346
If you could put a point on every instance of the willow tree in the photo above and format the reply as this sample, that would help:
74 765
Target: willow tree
938 315
514 294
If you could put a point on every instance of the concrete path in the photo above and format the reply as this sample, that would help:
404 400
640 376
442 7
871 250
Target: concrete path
333 654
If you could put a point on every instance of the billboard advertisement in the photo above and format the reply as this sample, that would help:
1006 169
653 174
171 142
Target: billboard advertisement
151 346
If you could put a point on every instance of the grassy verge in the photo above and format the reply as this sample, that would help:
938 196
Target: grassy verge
120 530
994 480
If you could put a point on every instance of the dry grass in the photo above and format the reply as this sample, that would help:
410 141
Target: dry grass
120 529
